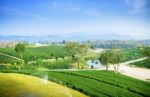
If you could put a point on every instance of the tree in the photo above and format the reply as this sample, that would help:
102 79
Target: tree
72 48
105 58
116 57
77 50
52 55
20 48
39 62
19 64
81 51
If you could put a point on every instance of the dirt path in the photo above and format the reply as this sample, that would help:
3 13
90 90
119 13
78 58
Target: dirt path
132 71
124 68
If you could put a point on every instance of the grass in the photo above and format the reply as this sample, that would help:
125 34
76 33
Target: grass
59 64
20 85
97 83
133 53
43 52
6 59
143 63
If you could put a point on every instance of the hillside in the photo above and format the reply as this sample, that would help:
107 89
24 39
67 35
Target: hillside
43 52
96 83
19 85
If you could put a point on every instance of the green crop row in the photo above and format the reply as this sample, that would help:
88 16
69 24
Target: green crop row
123 82
133 53
32 53
97 83
6 59
59 64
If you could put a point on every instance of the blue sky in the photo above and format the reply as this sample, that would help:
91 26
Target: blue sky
46 17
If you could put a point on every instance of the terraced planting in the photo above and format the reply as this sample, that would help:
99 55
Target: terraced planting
97 83
6 59
31 53
59 64
133 53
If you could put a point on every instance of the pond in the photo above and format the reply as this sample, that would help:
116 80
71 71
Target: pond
94 64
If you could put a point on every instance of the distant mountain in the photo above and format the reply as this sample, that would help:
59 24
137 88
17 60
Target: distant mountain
71 36
97 36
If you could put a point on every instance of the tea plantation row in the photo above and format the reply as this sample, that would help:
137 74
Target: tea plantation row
97 83
43 52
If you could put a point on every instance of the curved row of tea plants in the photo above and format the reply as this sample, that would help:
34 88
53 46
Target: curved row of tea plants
6 59
43 52
97 83
125 82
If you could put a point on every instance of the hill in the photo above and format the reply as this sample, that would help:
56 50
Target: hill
32 53
80 36
97 83
19 85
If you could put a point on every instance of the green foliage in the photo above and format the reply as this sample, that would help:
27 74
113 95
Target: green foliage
133 53
59 64
113 56
8 67
33 53
116 56
147 51
143 63
20 48
6 59
105 57
19 64
97 83
39 62
74 48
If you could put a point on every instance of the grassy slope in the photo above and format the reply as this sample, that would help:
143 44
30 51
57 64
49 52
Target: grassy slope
19 85
59 64
133 53
143 63
98 83
43 52
6 59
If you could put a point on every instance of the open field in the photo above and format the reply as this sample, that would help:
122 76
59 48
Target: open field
43 52
143 63
20 85
133 53
97 83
